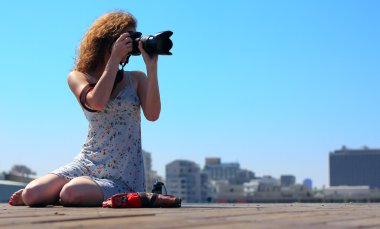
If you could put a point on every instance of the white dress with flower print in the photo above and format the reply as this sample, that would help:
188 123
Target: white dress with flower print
112 149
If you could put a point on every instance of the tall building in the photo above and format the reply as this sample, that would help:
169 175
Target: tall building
150 175
220 171
355 167
206 188
183 179
288 180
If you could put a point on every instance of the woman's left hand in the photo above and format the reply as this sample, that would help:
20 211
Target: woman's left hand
150 60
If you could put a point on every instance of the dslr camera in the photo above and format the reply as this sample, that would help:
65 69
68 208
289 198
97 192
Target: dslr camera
158 43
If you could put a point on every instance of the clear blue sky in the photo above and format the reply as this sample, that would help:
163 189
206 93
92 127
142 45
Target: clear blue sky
274 85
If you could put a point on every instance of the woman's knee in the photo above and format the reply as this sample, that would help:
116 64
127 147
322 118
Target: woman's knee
69 195
81 192
32 195
43 190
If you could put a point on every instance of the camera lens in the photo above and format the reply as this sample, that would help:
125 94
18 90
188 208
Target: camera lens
158 43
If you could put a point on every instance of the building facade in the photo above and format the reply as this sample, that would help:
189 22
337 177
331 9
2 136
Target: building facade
308 183
151 175
287 180
222 171
355 167
183 179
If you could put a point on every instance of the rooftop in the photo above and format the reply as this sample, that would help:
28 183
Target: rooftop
347 151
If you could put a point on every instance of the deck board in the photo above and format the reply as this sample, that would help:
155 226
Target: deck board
208 216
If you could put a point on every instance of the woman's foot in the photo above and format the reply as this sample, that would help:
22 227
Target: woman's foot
16 198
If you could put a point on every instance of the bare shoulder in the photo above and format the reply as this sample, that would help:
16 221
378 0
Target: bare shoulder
138 78
137 75
75 77
138 81
76 80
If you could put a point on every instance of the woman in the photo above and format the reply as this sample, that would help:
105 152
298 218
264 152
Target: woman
111 160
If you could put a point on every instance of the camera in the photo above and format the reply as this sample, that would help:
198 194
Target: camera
157 187
158 43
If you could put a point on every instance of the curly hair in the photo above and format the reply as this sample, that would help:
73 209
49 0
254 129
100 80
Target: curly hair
99 38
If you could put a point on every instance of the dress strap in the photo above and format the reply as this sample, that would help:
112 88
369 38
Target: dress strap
129 78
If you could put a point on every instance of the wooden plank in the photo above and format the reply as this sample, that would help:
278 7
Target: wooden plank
197 216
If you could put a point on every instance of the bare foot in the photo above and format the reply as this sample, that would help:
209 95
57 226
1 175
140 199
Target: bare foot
16 198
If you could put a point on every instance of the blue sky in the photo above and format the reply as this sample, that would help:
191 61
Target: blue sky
274 85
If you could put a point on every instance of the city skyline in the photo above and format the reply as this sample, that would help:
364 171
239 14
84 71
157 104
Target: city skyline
288 178
224 182
275 86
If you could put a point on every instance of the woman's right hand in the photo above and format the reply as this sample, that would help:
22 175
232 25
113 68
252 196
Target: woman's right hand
122 48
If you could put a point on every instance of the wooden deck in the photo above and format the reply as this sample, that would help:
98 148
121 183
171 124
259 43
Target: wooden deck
197 216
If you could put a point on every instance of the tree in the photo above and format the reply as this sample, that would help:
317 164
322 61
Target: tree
21 170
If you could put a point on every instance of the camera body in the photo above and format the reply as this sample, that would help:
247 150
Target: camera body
157 187
158 43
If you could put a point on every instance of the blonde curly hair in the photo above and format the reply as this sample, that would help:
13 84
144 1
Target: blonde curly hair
99 38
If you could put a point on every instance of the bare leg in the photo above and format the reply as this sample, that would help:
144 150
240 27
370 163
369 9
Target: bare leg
81 192
40 192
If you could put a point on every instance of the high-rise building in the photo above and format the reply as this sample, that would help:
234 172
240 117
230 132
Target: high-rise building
288 180
221 171
150 175
355 167
183 179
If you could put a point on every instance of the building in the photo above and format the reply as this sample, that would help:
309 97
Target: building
269 187
230 193
183 179
242 176
288 180
225 180
7 188
296 191
150 175
308 183
220 171
11 182
206 189
213 161
251 187
355 167
347 191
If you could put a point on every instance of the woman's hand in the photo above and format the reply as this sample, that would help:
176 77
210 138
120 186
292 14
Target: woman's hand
150 60
122 48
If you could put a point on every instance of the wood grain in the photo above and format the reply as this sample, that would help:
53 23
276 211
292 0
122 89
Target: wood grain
298 215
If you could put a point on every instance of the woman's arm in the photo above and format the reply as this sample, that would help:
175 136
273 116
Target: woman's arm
98 98
148 89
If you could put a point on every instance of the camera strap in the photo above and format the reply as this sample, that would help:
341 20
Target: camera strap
119 75
118 78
